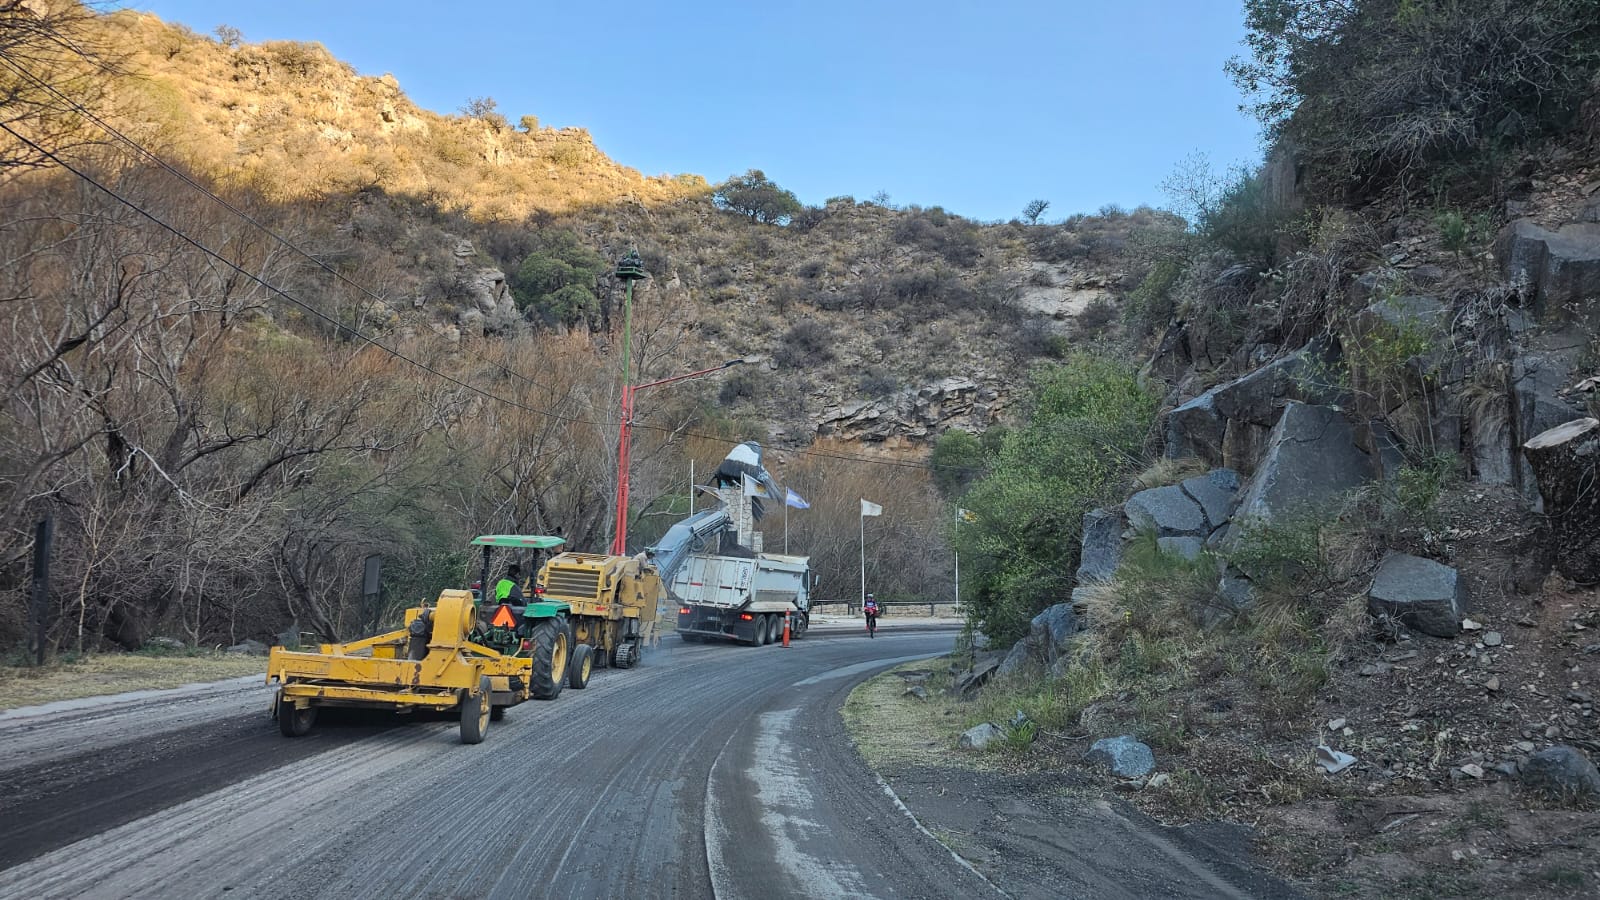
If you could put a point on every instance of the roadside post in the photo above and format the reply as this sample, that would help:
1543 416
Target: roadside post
43 536
786 628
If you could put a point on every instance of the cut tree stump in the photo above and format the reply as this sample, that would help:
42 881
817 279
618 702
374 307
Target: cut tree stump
1566 463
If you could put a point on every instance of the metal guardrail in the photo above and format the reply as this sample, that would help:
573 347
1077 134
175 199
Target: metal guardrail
853 607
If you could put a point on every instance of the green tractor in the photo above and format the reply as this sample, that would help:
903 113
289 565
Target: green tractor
528 627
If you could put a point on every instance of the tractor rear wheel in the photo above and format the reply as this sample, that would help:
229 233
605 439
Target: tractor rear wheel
476 709
581 666
551 652
294 722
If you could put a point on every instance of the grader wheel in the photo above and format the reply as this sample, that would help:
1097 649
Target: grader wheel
476 711
294 722
551 652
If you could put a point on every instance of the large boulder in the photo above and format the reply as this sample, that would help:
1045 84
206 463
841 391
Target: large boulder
1102 545
1539 378
1423 594
1312 458
1018 660
979 737
1561 772
1166 511
1555 271
1125 756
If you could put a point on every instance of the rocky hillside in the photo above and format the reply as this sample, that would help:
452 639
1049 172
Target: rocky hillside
289 120
1349 594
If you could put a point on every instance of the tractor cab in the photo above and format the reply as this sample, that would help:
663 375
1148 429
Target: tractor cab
507 626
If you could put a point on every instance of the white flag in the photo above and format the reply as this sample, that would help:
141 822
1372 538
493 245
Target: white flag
868 508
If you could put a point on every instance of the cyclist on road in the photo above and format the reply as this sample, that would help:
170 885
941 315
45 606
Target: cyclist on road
870 607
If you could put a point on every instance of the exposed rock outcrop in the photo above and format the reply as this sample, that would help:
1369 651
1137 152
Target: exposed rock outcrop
1311 459
1556 271
1229 425
917 413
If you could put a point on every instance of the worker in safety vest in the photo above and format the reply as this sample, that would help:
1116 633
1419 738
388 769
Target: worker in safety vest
509 588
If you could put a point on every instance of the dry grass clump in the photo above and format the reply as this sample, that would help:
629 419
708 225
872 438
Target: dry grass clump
116 673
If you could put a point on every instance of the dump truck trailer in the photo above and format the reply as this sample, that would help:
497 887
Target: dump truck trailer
742 599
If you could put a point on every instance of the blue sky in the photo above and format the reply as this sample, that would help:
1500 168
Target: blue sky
978 107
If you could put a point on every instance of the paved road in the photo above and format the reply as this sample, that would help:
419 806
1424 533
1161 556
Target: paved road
713 771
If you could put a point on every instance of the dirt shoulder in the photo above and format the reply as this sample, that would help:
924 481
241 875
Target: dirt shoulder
1037 832
118 673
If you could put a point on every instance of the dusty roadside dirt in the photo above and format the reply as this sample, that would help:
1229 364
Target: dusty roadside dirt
1432 808
1036 833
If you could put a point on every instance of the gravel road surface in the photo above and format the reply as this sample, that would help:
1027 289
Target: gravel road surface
712 771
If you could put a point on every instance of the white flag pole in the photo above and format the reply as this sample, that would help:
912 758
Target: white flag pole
956 542
863 556
786 525
691 485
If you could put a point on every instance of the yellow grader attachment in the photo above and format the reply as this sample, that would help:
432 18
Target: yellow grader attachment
432 663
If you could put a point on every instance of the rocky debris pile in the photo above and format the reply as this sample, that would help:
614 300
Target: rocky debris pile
1124 756
917 412
984 665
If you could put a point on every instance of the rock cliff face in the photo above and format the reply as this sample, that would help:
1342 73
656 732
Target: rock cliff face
917 413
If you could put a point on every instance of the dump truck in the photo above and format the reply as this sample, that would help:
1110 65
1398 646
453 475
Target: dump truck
742 599
722 585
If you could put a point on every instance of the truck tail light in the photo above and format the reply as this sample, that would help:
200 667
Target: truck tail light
746 616
683 610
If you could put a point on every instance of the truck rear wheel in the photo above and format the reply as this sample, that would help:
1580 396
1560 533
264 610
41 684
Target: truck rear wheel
581 666
475 712
772 633
551 650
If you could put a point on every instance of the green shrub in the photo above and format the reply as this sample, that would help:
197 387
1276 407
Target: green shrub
758 198
558 280
1149 307
1086 433
1419 483
1246 221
